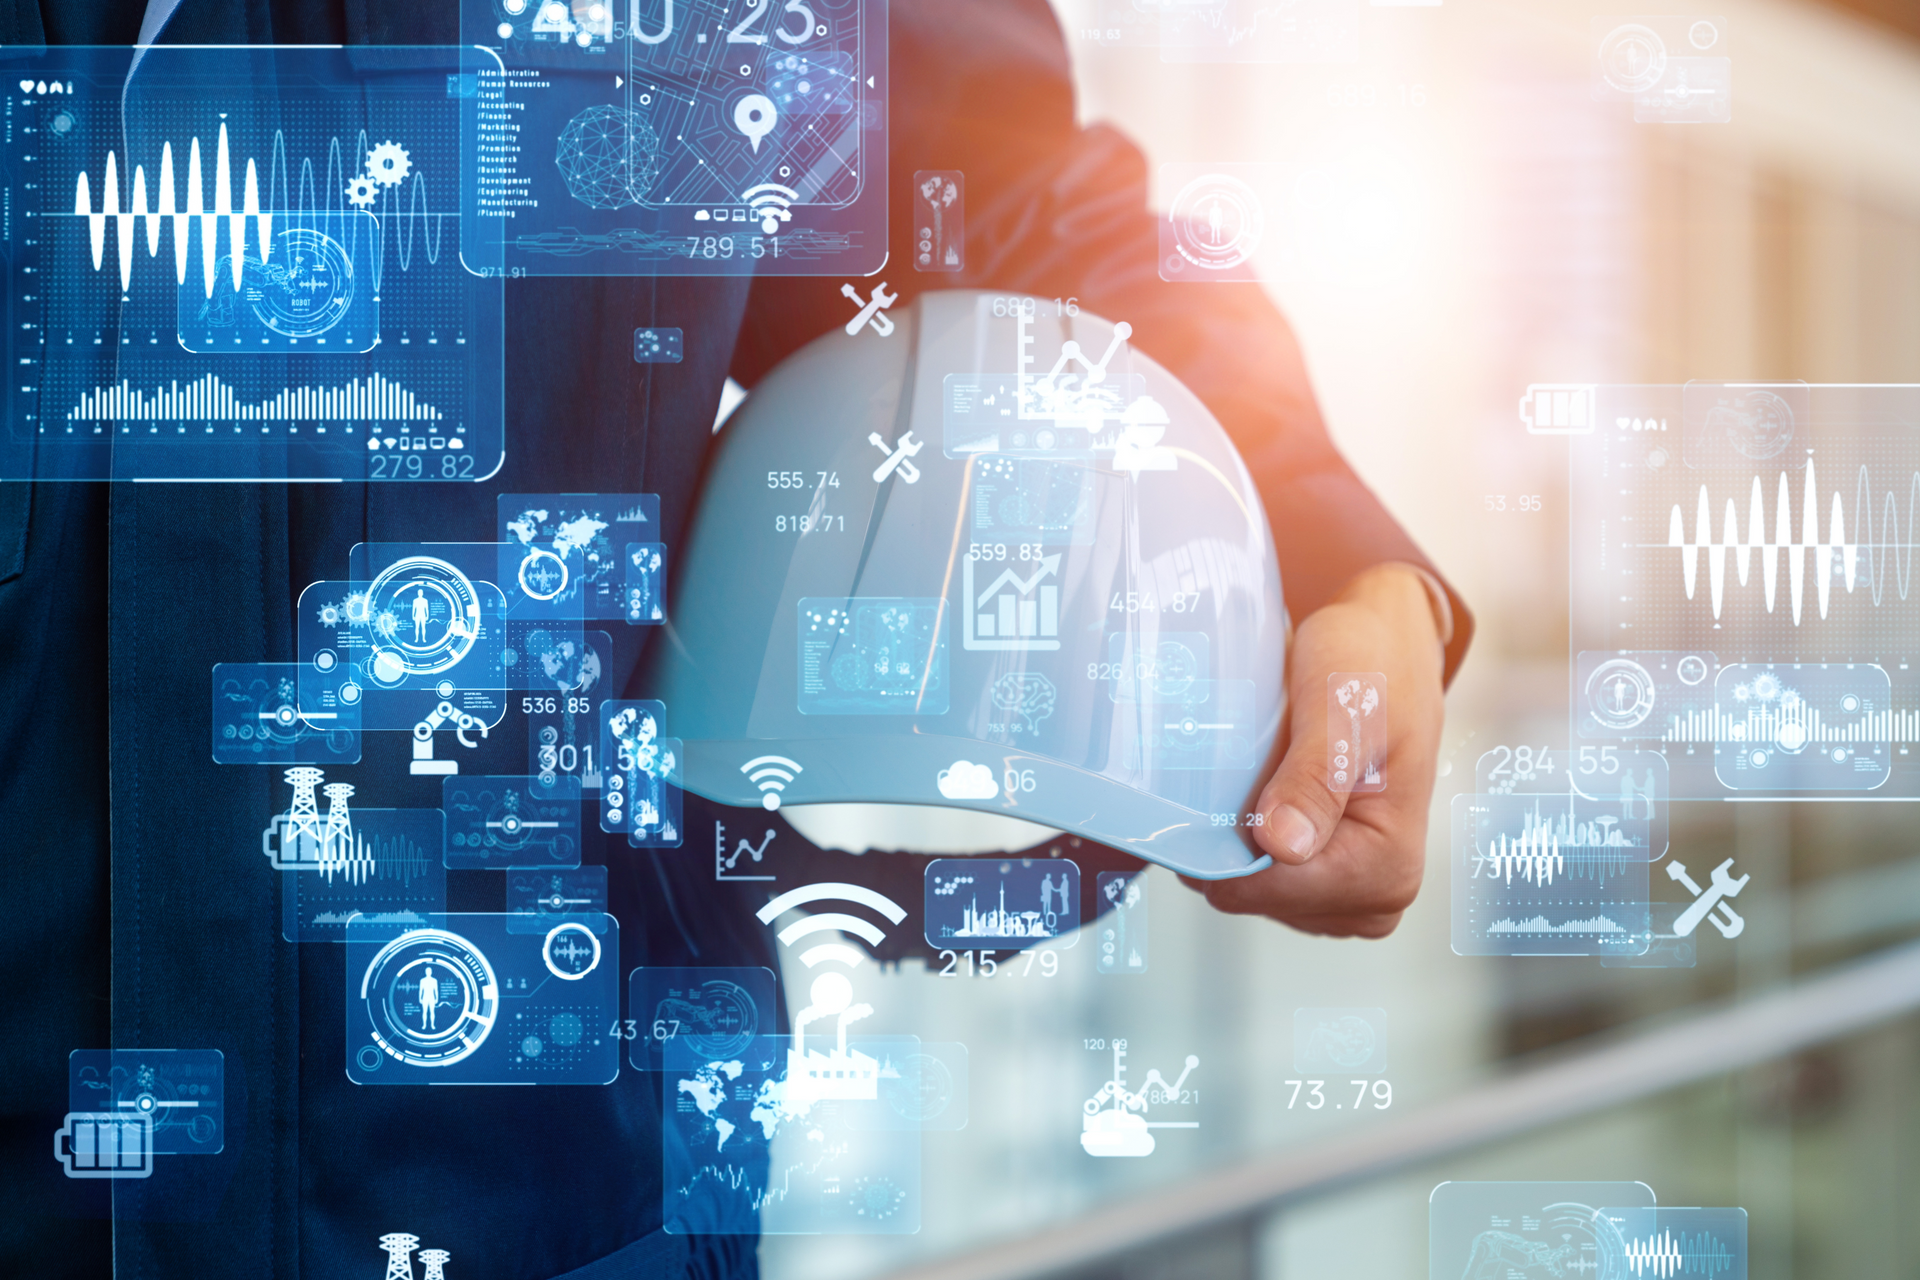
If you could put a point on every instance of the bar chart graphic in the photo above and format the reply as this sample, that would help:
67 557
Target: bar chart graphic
1013 611
374 398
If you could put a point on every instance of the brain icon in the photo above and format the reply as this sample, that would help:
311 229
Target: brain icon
1025 694
609 157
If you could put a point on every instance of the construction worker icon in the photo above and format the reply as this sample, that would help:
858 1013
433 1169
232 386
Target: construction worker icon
429 998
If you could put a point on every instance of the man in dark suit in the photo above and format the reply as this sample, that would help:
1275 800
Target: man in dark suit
133 923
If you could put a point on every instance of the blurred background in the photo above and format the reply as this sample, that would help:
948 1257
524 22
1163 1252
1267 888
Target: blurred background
1523 233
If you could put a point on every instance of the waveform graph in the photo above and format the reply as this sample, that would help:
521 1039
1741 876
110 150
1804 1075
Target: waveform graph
230 239
389 867
1683 1243
1555 874
1802 726
1779 529
249 269
1786 550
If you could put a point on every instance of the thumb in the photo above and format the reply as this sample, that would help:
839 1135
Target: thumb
1298 809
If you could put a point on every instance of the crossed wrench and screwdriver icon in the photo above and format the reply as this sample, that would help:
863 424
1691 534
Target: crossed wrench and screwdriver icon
871 312
1710 903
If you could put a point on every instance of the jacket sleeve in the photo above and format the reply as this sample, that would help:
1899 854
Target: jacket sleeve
1057 210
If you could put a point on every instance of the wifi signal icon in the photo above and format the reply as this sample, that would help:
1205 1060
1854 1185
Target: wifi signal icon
771 774
840 1073
832 921
769 202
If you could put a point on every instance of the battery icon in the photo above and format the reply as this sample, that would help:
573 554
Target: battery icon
102 1144
1559 409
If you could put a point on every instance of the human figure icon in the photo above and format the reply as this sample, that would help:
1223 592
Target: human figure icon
419 615
429 999
1214 219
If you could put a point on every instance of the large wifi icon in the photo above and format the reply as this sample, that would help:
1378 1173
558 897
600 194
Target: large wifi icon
769 202
831 921
771 774
839 1073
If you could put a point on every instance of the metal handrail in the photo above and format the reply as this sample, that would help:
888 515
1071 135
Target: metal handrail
1625 1067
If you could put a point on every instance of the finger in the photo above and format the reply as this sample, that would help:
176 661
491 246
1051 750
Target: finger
1346 926
1298 811
1373 865
1282 902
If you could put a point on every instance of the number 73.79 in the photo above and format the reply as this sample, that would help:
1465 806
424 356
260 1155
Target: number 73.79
1316 1096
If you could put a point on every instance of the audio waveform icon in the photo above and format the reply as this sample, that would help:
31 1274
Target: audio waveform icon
1540 924
1680 1253
1533 855
1562 845
388 858
1836 555
371 399
1757 724
182 212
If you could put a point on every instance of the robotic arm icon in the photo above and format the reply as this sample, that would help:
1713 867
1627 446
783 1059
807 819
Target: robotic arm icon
443 715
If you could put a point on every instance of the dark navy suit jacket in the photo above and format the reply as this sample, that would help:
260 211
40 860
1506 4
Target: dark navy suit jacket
138 910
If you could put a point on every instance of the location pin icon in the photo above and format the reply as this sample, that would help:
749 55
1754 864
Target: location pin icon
755 116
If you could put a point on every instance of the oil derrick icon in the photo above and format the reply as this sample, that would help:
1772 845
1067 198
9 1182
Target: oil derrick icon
300 840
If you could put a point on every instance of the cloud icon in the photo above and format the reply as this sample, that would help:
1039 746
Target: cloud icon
965 780
1115 1133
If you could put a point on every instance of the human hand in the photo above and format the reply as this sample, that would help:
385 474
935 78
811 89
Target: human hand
1350 863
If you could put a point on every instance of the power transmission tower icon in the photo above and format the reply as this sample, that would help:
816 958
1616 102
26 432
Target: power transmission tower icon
303 819
298 840
339 851
436 1260
398 1245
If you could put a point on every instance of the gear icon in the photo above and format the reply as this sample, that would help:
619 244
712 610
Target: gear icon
356 609
361 191
329 615
388 165
387 623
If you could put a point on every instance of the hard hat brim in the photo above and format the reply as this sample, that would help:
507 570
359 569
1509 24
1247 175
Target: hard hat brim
1047 791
